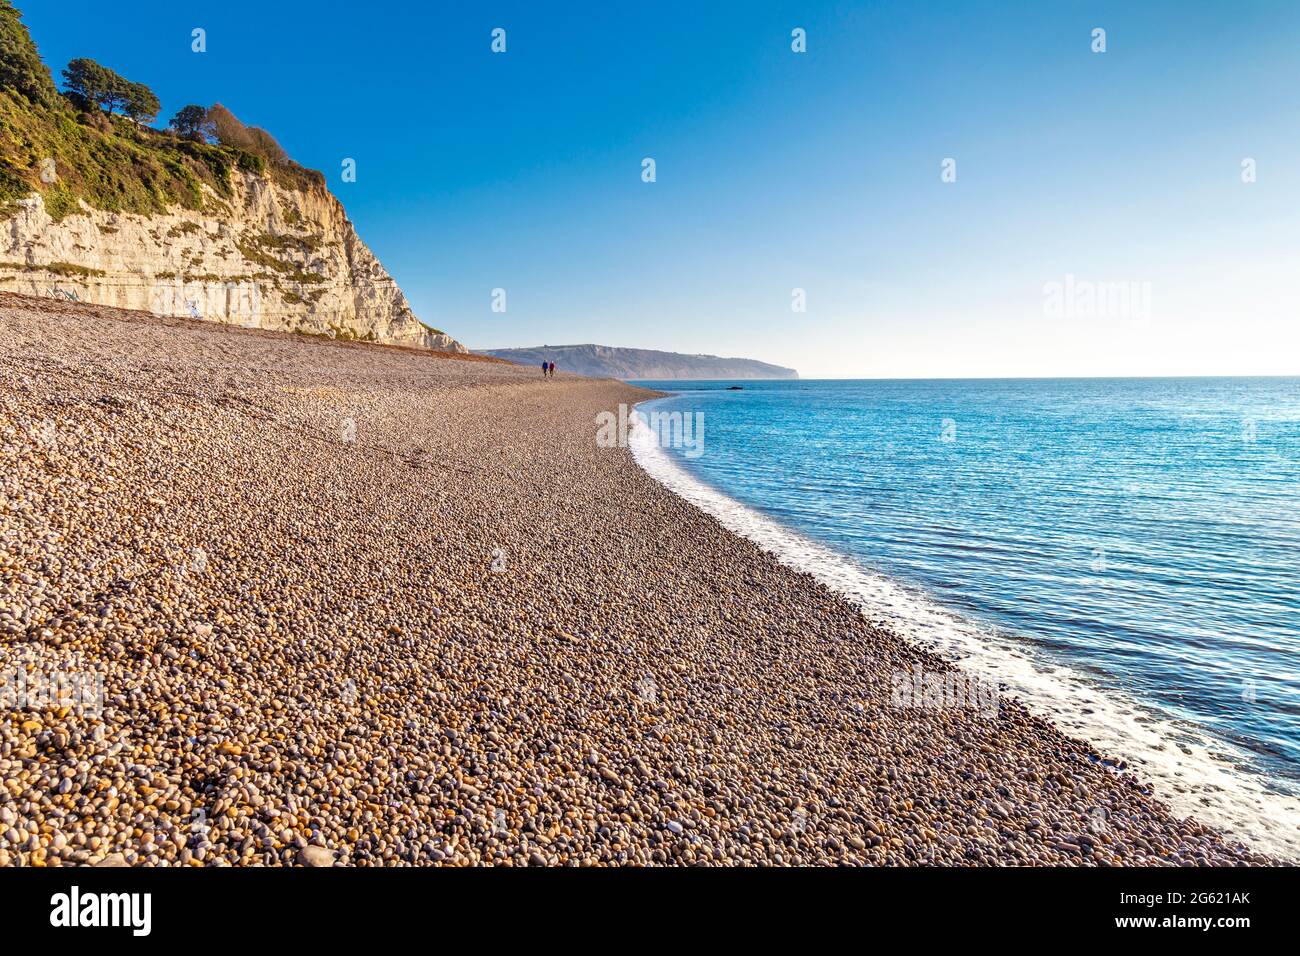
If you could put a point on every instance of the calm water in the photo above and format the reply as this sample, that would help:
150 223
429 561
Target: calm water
1138 539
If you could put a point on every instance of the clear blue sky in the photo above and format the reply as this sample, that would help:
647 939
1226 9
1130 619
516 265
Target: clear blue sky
779 170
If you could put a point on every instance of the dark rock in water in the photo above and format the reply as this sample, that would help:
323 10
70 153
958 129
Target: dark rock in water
735 388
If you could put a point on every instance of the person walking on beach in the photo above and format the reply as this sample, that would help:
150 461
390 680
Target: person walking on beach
552 370
543 370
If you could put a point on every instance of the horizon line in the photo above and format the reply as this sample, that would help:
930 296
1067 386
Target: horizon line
970 378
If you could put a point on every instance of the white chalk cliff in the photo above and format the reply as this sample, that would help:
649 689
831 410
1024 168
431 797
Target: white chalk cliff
268 257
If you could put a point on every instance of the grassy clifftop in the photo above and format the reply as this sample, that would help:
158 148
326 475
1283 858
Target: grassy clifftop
117 169
49 146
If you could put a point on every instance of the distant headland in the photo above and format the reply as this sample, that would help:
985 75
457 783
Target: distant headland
603 361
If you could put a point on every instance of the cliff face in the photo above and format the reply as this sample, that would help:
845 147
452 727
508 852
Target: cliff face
603 361
267 256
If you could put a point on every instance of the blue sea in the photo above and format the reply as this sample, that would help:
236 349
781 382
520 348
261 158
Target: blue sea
1123 554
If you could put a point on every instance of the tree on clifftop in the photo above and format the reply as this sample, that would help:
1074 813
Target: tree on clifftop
261 149
141 104
229 131
21 68
192 123
93 86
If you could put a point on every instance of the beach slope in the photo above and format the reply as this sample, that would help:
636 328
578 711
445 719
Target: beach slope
358 604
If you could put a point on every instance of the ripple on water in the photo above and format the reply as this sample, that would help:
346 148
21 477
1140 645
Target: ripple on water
1192 772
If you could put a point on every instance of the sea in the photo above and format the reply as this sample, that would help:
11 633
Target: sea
1121 554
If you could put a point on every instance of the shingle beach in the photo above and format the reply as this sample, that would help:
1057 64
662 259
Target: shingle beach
362 605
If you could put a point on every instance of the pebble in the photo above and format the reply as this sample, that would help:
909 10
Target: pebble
316 856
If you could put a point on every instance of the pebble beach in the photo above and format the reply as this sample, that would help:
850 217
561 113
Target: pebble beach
330 603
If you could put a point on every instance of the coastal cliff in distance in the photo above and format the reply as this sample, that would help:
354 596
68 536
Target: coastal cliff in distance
208 219
603 361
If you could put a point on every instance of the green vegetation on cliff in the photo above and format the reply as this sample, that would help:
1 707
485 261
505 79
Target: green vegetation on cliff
72 146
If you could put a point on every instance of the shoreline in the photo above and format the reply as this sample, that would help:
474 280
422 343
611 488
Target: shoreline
455 631
1199 780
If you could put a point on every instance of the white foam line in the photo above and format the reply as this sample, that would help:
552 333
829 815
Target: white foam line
1193 773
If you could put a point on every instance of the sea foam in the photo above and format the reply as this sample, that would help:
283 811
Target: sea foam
1194 774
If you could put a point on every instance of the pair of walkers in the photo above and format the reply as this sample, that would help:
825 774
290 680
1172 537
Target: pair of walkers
548 370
